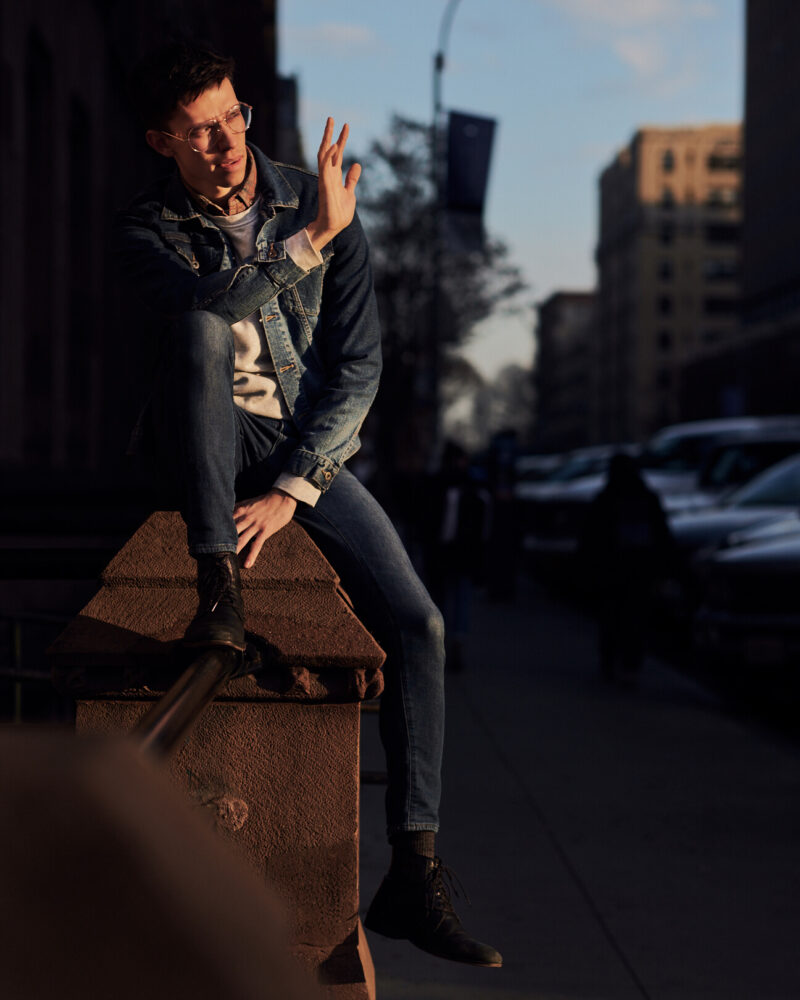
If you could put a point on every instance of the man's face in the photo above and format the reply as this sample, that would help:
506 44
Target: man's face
222 167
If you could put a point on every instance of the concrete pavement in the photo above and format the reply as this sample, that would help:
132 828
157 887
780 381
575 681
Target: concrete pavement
615 844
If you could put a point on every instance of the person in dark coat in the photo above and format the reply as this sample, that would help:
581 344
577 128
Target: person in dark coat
626 547
455 534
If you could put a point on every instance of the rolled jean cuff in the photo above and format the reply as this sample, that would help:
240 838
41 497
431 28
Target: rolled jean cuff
391 831
209 550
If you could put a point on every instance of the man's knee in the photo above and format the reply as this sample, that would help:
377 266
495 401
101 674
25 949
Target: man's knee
429 625
201 339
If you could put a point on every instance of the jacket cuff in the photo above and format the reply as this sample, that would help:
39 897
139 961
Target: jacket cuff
282 269
300 489
316 469
301 250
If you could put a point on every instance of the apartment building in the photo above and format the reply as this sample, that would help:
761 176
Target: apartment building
668 259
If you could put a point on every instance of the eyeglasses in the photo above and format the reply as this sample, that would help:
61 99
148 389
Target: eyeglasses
202 137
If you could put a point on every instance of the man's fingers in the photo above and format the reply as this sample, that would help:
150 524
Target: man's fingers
341 142
326 139
245 535
332 152
255 549
353 175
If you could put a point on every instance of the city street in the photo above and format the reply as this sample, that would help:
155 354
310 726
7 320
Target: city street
615 843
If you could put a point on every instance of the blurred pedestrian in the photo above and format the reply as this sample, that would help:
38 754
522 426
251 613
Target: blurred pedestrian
626 547
455 537
502 557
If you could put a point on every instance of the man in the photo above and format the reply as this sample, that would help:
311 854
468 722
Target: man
269 363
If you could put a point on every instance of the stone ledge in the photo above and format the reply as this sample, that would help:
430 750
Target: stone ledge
304 641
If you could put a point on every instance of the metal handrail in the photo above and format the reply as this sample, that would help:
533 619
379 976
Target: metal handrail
169 721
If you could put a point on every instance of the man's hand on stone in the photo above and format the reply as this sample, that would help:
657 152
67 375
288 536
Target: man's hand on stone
337 201
259 518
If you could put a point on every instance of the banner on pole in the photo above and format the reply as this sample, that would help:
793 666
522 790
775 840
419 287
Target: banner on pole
469 151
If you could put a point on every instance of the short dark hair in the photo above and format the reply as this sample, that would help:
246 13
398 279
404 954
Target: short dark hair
174 74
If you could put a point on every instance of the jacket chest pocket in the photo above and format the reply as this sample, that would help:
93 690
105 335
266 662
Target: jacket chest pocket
306 296
202 257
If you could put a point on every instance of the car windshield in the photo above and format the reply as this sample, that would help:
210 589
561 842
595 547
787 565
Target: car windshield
676 453
732 464
776 487
579 465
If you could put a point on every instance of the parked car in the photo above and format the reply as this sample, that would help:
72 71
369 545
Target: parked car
771 496
580 463
750 611
674 456
535 469
733 460
553 515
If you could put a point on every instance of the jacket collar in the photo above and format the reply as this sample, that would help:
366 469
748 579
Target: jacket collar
273 187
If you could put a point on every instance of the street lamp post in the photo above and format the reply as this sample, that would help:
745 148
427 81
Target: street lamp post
438 182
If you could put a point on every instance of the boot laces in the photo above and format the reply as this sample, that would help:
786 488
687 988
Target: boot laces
441 881
216 584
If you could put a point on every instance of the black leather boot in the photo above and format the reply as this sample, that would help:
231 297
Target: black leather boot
220 614
413 902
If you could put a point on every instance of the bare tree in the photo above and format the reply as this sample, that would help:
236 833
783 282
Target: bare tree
420 335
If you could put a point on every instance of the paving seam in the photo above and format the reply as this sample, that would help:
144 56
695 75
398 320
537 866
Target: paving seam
559 849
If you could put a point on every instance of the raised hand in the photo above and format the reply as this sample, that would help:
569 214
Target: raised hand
337 199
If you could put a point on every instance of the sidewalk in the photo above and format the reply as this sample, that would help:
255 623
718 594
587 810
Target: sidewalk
615 844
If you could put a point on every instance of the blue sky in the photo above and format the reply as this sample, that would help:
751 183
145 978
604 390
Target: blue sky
568 80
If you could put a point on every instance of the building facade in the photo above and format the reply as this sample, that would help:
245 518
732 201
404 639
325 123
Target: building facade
669 260
760 374
565 337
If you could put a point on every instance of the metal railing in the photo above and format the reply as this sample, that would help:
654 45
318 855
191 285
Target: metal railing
169 721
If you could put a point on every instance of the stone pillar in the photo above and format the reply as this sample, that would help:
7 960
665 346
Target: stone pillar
274 761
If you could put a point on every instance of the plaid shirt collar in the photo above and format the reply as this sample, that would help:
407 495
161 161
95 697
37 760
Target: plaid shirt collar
238 201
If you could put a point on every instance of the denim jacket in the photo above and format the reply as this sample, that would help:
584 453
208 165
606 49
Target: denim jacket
321 325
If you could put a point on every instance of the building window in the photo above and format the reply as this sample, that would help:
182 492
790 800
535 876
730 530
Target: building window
666 232
716 269
664 305
722 197
665 341
717 306
723 232
667 197
666 269
724 161
667 161
664 378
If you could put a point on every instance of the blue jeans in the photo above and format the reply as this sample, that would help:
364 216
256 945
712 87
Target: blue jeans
215 452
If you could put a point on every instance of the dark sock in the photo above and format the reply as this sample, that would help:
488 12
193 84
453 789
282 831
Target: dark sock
408 845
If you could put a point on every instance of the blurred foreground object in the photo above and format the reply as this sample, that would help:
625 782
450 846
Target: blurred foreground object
112 887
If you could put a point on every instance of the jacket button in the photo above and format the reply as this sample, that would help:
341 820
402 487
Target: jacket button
327 475
195 263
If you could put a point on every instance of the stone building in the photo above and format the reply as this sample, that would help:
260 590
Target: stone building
73 361
668 260
565 338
